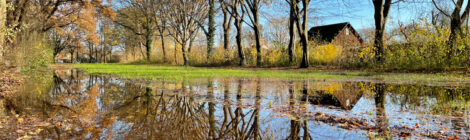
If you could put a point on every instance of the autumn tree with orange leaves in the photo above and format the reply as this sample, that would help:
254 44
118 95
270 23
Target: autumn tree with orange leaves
68 22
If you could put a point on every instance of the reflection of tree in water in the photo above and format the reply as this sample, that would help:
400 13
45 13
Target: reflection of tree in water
97 103
170 115
78 105
297 124
435 100
381 116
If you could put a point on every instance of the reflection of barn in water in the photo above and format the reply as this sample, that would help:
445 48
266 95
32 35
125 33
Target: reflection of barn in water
344 95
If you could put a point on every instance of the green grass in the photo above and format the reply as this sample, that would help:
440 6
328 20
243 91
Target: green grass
179 72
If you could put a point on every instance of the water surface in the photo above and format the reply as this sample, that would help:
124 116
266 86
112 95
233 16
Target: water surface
83 106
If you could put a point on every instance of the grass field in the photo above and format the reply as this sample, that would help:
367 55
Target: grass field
179 72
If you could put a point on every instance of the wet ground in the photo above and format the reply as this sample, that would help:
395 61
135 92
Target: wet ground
73 104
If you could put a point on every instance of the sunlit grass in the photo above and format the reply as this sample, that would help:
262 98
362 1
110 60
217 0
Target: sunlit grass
179 72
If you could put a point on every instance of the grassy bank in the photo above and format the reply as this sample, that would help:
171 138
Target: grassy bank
179 72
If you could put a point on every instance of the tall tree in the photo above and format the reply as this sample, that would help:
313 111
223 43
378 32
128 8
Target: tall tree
227 23
162 26
138 16
210 31
301 21
183 16
238 14
254 6
292 23
381 10
457 19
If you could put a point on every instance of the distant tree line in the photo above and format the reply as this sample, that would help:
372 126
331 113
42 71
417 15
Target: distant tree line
92 30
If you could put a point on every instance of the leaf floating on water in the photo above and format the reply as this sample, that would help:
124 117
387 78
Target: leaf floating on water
355 123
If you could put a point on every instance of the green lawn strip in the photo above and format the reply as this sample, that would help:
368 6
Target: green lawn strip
181 72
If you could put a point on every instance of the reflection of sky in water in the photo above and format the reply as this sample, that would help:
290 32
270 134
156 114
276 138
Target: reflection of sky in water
113 95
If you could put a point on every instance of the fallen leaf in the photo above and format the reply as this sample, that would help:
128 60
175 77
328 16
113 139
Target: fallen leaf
355 123
20 120
20 132
38 130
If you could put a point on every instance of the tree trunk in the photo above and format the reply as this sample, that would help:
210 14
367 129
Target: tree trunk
96 53
211 28
258 47
455 31
191 45
303 31
163 48
71 57
381 10
305 62
176 50
291 47
90 52
257 36
103 54
241 54
3 15
226 36
382 122
148 44
227 24
379 45
77 59
185 57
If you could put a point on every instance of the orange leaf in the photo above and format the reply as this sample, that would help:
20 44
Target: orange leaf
355 123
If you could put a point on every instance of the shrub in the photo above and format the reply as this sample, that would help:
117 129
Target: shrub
325 54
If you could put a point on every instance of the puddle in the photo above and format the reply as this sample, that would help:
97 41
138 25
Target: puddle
73 104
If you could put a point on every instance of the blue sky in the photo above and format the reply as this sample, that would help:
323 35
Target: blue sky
360 13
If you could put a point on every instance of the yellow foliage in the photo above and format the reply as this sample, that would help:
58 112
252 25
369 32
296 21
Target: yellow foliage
326 53
329 88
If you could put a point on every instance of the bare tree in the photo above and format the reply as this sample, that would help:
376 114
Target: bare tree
162 23
253 6
457 19
301 21
183 16
292 23
210 31
139 18
277 31
238 13
381 10
227 23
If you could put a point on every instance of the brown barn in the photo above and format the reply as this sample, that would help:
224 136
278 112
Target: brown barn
340 34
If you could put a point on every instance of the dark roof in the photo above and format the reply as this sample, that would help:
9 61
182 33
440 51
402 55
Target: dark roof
327 32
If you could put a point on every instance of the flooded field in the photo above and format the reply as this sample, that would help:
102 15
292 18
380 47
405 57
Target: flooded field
74 104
